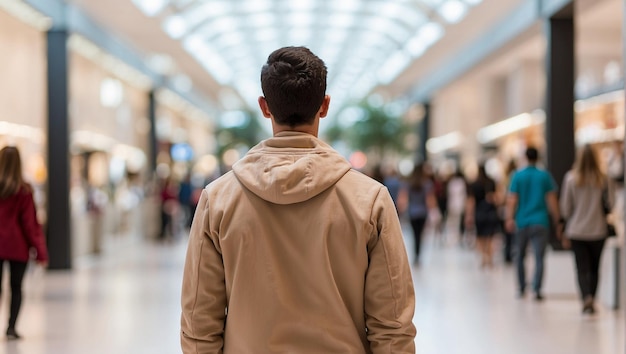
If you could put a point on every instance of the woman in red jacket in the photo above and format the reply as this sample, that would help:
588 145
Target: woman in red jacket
20 229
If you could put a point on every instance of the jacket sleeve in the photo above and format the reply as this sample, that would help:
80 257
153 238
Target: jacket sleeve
389 294
31 228
203 296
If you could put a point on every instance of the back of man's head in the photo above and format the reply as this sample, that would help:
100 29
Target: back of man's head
532 155
294 85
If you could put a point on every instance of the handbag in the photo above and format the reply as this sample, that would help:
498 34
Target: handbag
606 210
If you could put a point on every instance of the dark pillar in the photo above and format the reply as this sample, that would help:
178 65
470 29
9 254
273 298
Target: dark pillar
58 203
424 133
622 282
560 145
153 139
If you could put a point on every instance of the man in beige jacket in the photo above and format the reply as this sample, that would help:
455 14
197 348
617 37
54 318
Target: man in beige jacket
293 251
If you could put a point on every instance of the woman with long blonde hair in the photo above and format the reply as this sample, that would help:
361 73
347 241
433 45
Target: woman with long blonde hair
582 206
20 231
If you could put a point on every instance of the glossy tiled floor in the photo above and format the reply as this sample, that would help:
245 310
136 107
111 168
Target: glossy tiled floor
129 303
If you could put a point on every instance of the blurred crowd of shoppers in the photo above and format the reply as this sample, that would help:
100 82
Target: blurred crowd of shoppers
525 207
178 201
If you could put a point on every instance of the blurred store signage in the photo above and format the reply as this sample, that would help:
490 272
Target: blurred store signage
83 140
444 142
509 126
181 152
604 98
593 134
13 130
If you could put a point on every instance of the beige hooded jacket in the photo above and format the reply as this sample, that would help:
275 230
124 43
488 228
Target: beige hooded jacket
295 252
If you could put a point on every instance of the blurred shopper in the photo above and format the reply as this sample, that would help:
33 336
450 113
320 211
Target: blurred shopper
583 198
440 189
457 197
397 188
421 203
185 201
532 199
169 208
507 248
482 214
615 172
20 231
293 251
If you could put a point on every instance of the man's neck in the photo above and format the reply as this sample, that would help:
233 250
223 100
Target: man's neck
308 129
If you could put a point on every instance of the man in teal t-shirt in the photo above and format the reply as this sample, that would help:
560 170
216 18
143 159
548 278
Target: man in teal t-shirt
532 199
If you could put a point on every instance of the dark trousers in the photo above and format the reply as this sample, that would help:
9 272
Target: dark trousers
537 236
417 224
588 254
508 246
16 270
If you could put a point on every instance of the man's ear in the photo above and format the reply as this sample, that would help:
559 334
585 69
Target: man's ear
324 107
264 107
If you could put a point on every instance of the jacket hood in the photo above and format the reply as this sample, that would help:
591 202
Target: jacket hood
290 168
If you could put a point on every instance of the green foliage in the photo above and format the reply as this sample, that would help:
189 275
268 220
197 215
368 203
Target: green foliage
377 133
246 135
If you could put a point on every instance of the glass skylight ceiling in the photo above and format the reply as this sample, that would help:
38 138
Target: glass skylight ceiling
364 43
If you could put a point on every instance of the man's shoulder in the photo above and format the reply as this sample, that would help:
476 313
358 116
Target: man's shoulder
357 179
221 182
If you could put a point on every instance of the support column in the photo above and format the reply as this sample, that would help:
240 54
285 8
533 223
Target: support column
424 133
560 145
622 282
153 148
58 202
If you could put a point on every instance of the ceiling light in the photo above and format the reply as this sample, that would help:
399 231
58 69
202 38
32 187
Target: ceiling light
346 5
341 20
175 27
452 11
432 3
151 8
304 5
251 6
261 20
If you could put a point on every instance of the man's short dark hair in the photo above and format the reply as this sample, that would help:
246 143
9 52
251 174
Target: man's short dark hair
294 85
532 154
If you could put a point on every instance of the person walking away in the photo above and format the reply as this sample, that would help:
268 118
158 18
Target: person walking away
20 231
293 251
396 187
421 201
457 198
482 214
507 248
583 196
169 209
532 199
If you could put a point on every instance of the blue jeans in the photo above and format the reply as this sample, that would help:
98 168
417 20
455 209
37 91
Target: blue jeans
538 237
